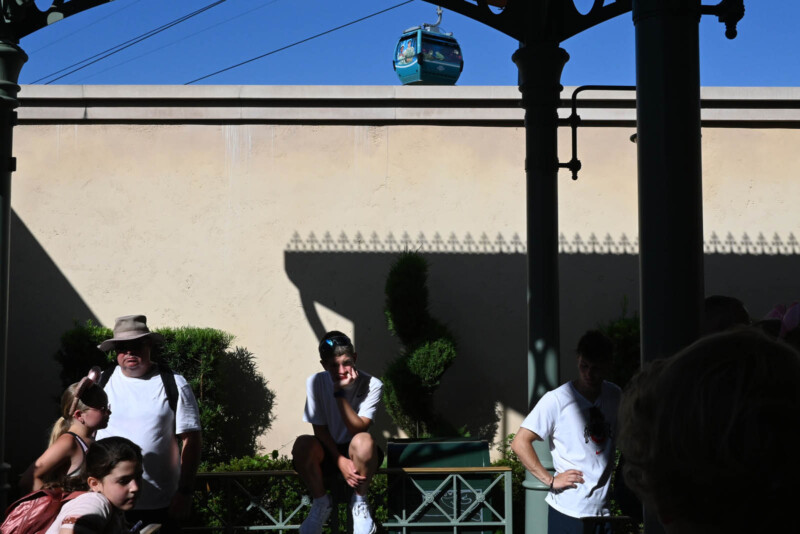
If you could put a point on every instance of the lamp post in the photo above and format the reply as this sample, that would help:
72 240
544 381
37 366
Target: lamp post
669 170
18 18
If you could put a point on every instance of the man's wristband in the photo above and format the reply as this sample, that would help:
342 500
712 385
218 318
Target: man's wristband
553 481
339 394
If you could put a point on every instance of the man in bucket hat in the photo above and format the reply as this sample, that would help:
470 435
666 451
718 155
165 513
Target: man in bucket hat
140 392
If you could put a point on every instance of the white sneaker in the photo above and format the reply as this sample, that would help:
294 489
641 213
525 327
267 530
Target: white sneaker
317 516
362 520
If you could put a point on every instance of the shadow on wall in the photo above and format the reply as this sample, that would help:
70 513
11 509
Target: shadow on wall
759 280
42 306
481 297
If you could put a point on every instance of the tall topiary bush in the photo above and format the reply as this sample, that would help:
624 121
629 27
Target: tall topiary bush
428 350
624 332
235 402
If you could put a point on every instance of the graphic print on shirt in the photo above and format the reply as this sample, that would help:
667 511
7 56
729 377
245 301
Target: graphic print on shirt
598 430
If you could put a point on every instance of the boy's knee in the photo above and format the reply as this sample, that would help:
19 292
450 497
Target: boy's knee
362 447
305 447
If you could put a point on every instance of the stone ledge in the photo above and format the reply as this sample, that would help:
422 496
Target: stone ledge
722 106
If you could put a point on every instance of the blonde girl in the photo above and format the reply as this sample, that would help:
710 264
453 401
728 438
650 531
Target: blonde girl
84 410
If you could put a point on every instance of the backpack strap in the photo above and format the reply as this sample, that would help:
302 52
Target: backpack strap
106 374
170 387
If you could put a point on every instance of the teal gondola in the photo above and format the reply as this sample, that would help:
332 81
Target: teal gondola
426 55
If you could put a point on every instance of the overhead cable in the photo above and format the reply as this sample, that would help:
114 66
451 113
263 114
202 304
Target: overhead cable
298 42
127 44
214 26
84 28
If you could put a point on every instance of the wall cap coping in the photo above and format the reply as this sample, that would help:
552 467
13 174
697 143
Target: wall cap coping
500 105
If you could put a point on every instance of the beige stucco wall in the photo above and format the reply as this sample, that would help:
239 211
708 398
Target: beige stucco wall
207 220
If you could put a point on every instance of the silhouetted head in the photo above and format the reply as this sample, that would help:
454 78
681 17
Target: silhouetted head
721 312
709 436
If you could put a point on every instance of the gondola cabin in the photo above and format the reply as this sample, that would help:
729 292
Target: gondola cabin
425 55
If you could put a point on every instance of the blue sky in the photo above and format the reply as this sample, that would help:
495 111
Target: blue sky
234 31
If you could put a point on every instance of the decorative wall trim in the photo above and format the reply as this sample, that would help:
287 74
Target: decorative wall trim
450 243
421 243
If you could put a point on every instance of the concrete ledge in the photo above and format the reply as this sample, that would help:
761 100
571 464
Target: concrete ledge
722 106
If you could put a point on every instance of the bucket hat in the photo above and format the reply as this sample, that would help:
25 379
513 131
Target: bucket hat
128 328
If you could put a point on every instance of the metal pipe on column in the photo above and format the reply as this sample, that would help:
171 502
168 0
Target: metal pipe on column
540 65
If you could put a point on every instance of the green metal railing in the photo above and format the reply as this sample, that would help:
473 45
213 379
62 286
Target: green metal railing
440 499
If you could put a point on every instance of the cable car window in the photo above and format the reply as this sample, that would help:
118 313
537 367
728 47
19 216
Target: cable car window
405 50
438 51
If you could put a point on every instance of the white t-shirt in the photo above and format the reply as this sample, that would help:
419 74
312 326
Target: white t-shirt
140 412
581 436
321 407
96 513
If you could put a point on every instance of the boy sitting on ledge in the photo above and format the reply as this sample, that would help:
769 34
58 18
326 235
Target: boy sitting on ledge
340 405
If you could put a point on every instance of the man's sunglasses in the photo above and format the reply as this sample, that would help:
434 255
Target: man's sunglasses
132 345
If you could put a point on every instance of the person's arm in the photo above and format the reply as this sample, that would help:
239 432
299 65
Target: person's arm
88 514
25 483
522 445
192 444
87 524
57 456
345 464
355 423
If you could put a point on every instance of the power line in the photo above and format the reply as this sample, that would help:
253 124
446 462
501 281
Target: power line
298 42
214 26
127 44
84 28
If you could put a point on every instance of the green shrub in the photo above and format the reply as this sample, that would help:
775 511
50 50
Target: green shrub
235 402
78 351
624 333
509 459
428 350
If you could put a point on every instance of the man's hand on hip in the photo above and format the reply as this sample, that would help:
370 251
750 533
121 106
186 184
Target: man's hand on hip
569 479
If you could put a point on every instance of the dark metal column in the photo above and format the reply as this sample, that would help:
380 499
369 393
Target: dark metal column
540 65
670 178
12 58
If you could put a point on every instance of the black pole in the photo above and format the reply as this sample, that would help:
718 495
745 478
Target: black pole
670 178
540 65
12 57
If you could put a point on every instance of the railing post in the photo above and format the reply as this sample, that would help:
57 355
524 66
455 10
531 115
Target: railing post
226 483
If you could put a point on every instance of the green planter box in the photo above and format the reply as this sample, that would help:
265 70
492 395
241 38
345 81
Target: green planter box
439 498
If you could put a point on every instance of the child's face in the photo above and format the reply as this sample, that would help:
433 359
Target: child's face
592 374
341 368
120 486
96 418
